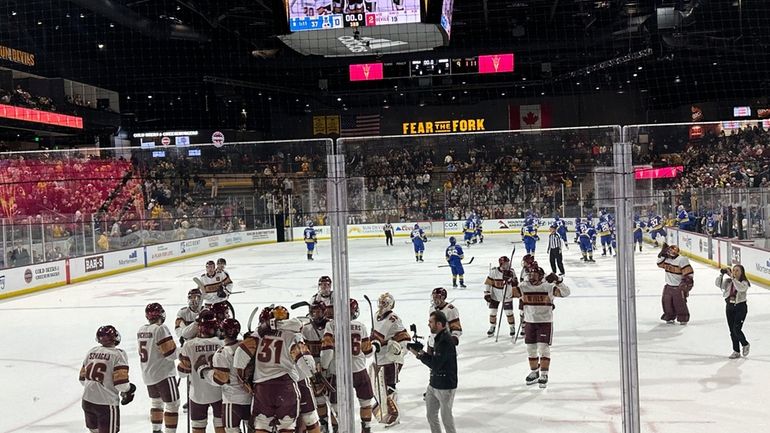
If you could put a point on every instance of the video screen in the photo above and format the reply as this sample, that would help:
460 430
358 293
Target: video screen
194 152
322 14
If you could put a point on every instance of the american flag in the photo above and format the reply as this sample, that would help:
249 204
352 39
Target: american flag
360 125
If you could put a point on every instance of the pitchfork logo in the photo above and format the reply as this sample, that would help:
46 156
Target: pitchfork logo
496 62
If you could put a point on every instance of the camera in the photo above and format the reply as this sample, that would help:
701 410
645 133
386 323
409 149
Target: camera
415 345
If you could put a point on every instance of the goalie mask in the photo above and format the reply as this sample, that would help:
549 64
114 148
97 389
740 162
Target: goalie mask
385 303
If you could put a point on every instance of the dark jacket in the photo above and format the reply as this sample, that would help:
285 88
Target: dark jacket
443 362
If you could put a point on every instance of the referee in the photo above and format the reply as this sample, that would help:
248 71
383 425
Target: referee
555 245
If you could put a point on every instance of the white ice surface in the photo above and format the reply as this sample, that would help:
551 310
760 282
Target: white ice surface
687 384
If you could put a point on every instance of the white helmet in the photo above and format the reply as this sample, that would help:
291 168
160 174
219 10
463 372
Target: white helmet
385 303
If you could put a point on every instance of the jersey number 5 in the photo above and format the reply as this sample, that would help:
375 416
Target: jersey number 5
143 354
271 350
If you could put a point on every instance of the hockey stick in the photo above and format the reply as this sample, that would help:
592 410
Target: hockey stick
518 331
376 363
464 264
296 305
502 301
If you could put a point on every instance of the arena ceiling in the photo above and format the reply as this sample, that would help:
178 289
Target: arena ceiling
194 50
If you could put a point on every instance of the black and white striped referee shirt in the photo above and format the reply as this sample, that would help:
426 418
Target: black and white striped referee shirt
554 241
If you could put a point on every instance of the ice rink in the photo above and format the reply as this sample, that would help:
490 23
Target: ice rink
687 383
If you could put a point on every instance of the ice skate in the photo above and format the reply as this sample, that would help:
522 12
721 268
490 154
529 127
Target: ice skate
491 331
533 377
745 350
513 331
543 381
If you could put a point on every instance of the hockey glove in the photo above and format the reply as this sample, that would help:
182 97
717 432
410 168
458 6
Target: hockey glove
663 250
724 271
376 346
128 396
394 347
552 278
222 292
488 297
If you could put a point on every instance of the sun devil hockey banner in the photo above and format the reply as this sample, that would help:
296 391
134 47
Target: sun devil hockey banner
536 116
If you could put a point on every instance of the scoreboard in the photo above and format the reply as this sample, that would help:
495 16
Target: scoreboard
307 15
496 63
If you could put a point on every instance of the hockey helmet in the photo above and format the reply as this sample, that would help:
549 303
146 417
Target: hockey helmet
354 309
325 286
527 259
107 336
317 313
221 263
673 250
416 226
280 313
207 324
504 262
154 312
536 275
221 310
230 328
310 223
438 296
194 299
385 303
452 240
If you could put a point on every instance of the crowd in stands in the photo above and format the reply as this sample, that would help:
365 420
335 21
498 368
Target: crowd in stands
22 98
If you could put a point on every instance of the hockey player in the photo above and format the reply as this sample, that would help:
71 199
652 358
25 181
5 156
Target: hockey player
679 282
537 297
104 374
605 235
310 239
454 256
157 352
585 234
313 332
221 263
479 235
277 351
578 223
469 230
184 326
529 235
418 240
217 286
361 348
439 303
711 224
236 395
655 226
561 229
497 289
638 227
194 356
324 294
389 338
682 218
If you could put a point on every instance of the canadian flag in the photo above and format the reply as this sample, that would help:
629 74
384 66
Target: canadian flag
535 116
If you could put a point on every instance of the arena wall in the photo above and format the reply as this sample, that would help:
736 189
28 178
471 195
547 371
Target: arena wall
33 278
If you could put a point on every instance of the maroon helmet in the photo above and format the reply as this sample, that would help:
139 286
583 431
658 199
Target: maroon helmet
221 311
230 328
354 310
325 285
536 275
194 299
207 323
504 262
317 313
527 260
154 312
438 296
107 335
